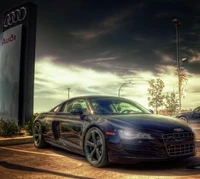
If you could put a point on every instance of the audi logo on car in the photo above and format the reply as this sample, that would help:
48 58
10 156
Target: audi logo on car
178 129
15 16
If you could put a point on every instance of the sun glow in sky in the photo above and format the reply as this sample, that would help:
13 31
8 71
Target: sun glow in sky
52 81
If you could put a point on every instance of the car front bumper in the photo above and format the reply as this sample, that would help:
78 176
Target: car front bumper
135 151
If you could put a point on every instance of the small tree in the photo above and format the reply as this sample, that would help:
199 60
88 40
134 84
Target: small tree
29 124
171 103
155 92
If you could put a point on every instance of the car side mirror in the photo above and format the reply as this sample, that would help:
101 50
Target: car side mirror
77 111
84 117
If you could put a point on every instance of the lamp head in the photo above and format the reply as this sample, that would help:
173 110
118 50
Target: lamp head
184 59
176 22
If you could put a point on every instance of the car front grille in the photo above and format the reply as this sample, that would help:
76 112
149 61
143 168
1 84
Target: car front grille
178 144
176 150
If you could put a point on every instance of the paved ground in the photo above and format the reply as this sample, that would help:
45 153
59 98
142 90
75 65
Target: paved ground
26 162
196 129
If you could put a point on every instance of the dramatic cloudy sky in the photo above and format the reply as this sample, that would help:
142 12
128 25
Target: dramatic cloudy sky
93 47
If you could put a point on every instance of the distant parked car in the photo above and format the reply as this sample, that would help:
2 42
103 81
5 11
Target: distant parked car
190 115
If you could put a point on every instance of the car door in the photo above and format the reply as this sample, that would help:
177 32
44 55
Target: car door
49 117
68 126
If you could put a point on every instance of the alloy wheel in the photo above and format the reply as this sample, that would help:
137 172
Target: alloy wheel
184 119
95 148
37 134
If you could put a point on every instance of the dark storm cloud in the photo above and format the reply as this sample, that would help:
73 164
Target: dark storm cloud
119 36
84 21
86 37
187 14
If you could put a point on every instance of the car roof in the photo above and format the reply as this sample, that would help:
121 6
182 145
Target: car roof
87 97
94 96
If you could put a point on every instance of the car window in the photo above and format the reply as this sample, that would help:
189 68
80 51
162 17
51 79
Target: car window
197 110
78 103
115 106
127 106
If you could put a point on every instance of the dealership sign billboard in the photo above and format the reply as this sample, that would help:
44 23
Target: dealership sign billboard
17 60
10 55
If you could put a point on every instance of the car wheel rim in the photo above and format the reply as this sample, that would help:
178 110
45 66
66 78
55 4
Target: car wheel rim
183 118
37 134
94 147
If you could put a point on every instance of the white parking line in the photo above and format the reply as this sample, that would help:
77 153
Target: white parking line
31 152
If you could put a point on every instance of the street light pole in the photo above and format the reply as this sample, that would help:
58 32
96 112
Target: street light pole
68 89
177 25
121 88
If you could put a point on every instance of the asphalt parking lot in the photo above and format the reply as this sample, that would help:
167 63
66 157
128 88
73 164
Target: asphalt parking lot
25 161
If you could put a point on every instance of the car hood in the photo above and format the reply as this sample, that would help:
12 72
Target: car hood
148 122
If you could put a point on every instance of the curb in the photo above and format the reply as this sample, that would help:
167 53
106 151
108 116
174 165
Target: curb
16 140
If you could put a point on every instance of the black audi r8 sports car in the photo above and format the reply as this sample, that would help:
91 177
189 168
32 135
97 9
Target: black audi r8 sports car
113 130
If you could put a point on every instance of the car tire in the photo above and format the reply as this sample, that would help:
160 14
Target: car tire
95 148
183 118
38 139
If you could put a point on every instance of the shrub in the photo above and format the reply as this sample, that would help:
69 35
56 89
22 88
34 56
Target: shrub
8 128
29 127
29 124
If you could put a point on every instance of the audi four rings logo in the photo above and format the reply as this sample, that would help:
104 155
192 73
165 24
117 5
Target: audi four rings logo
15 16
178 129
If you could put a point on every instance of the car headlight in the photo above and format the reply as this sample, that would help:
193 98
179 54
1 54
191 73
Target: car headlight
126 134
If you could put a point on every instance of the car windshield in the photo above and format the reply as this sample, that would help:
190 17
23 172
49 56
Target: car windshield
108 105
